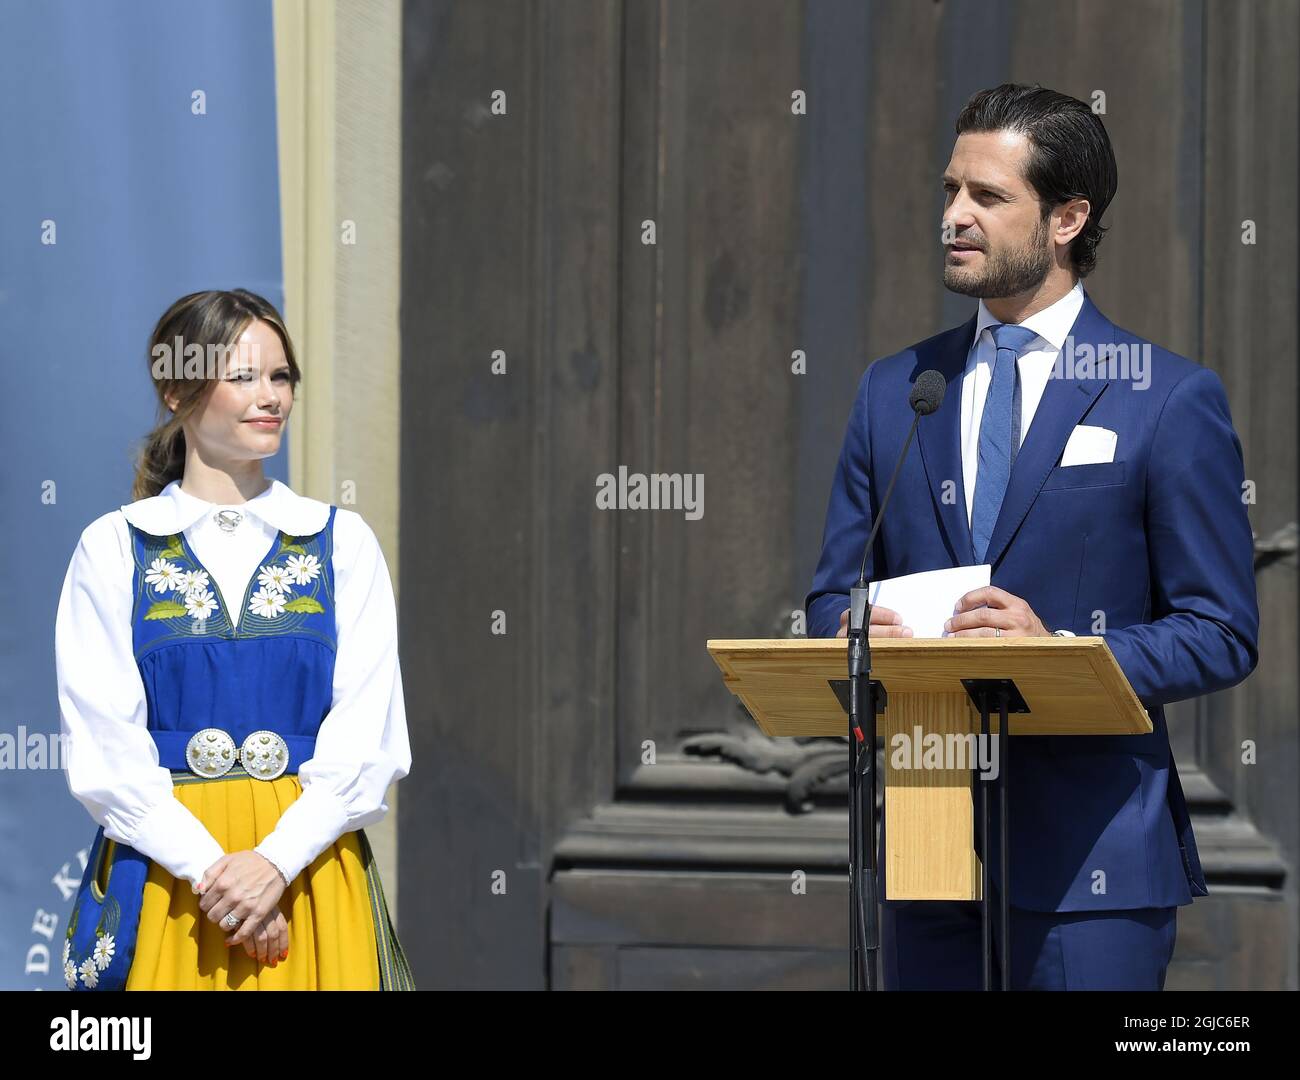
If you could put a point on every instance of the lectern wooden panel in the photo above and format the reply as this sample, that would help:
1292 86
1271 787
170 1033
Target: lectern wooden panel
1072 686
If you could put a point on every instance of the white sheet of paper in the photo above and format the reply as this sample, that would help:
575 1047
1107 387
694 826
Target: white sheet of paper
926 600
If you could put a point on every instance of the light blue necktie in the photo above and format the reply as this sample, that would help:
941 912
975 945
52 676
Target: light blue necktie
998 435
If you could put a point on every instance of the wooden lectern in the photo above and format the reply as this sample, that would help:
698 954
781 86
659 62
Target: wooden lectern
1062 686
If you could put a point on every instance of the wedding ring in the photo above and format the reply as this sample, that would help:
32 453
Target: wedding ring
230 922
997 631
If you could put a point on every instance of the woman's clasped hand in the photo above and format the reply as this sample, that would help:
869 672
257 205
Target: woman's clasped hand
248 885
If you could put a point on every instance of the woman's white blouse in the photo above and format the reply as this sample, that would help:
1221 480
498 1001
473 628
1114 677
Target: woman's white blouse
111 762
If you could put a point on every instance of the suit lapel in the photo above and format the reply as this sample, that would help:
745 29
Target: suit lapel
939 438
1064 402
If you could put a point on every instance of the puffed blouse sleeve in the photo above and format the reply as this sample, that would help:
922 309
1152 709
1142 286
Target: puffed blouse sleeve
110 760
362 745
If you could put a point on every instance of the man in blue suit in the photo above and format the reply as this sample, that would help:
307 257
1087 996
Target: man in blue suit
1100 478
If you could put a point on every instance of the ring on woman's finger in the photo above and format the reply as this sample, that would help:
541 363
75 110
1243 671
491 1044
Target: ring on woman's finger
230 921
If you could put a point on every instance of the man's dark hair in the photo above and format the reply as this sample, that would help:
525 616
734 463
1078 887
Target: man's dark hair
1070 156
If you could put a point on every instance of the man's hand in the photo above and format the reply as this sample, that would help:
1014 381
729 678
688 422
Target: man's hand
884 623
247 884
1003 611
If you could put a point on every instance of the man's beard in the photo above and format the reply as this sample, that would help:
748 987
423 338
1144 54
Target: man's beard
1006 274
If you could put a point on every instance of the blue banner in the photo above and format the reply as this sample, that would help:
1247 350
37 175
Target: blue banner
137 164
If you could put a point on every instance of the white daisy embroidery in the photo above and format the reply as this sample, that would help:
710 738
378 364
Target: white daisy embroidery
67 951
274 578
303 568
164 576
70 974
195 581
268 603
104 948
89 973
200 603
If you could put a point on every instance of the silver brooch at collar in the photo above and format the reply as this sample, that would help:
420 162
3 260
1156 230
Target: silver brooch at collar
228 520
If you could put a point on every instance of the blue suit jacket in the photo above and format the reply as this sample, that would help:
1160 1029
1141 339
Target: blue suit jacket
1158 540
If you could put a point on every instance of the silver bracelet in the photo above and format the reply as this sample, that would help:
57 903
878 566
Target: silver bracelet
278 869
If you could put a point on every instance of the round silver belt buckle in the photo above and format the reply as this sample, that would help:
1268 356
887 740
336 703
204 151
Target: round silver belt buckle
265 755
210 753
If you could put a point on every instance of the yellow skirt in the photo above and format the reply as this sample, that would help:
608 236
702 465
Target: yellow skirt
340 934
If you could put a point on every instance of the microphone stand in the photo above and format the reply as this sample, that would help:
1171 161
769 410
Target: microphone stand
864 914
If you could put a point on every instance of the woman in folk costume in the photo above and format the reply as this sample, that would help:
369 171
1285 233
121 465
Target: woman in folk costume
230 691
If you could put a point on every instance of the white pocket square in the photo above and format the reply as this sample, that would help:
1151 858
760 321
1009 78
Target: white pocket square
1089 446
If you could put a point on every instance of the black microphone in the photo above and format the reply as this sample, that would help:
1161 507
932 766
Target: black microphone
927 392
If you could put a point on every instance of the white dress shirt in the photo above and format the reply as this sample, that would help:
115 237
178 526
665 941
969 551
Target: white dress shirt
112 763
1052 325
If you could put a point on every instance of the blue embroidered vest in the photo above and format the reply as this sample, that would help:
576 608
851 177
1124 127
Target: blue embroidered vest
264 665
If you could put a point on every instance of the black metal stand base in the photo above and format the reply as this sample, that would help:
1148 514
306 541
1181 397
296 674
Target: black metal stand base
864 909
864 920
1009 700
